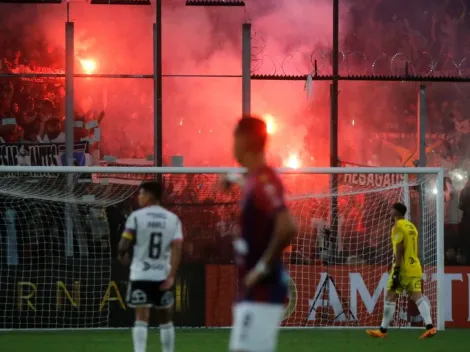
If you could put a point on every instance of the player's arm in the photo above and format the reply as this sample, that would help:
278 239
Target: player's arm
127 239
176 249
399 248
399 254
284 232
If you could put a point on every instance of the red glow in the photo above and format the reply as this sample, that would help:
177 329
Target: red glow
88 65
292 161
198 113
270 123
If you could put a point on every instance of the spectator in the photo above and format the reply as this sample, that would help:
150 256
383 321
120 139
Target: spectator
15 111
28 120
59 101
45 114
11 133
54 132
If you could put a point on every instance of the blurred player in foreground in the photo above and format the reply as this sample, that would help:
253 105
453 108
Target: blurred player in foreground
156 235
406 274
266 229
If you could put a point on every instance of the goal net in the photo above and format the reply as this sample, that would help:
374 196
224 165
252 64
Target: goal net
340 260
59 231
55 253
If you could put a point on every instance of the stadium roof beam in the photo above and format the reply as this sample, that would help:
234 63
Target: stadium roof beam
119 2
30 1
381 78
226 3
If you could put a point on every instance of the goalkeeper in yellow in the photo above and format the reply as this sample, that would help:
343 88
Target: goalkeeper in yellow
406 274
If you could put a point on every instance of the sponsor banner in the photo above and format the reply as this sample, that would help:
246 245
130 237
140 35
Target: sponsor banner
457 301
354 296
86 292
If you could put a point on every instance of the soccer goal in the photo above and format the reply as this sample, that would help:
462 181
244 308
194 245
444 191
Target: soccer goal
56 255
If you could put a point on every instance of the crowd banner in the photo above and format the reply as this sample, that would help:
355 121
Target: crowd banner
368 180
356 289
124 179
42 154
25 69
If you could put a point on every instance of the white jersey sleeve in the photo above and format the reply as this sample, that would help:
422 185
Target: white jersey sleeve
153 230
178 235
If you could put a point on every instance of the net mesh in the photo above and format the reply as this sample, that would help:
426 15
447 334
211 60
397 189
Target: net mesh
59 234
341 280
55 257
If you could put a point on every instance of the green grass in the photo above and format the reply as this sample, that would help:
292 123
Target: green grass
201 340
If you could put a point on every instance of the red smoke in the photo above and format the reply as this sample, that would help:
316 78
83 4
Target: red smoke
199 113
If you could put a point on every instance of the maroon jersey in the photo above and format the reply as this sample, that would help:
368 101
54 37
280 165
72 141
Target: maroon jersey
262 200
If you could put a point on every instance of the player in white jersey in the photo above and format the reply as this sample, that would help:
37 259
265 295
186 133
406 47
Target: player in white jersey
156 236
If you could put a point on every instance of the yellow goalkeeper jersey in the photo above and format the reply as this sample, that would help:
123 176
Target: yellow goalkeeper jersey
406 233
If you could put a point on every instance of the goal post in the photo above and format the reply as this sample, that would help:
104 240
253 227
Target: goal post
63 228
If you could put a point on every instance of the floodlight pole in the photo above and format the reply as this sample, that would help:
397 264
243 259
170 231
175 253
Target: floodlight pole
69 126
246 69
334 157
158 87
421 148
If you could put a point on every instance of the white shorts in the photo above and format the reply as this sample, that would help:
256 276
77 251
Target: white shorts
255 326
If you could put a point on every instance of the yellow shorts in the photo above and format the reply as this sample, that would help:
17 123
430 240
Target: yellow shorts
409 284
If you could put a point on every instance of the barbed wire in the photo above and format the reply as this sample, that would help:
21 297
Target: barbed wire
318 61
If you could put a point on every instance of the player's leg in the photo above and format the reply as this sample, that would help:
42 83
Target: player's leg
390 305
389 311
423 307
138 298
164 305
255 327
241 321
140 329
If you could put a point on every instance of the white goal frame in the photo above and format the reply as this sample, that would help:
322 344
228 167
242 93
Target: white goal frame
437 172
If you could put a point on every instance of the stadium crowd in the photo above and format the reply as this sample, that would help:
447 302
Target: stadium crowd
33 109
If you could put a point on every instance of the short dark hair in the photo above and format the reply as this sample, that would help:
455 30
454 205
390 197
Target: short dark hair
400 208
153 188
46 103
255 128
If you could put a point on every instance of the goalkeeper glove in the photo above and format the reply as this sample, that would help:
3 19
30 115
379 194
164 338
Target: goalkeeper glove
396 278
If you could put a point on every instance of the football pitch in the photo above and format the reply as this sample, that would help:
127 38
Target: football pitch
204 340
